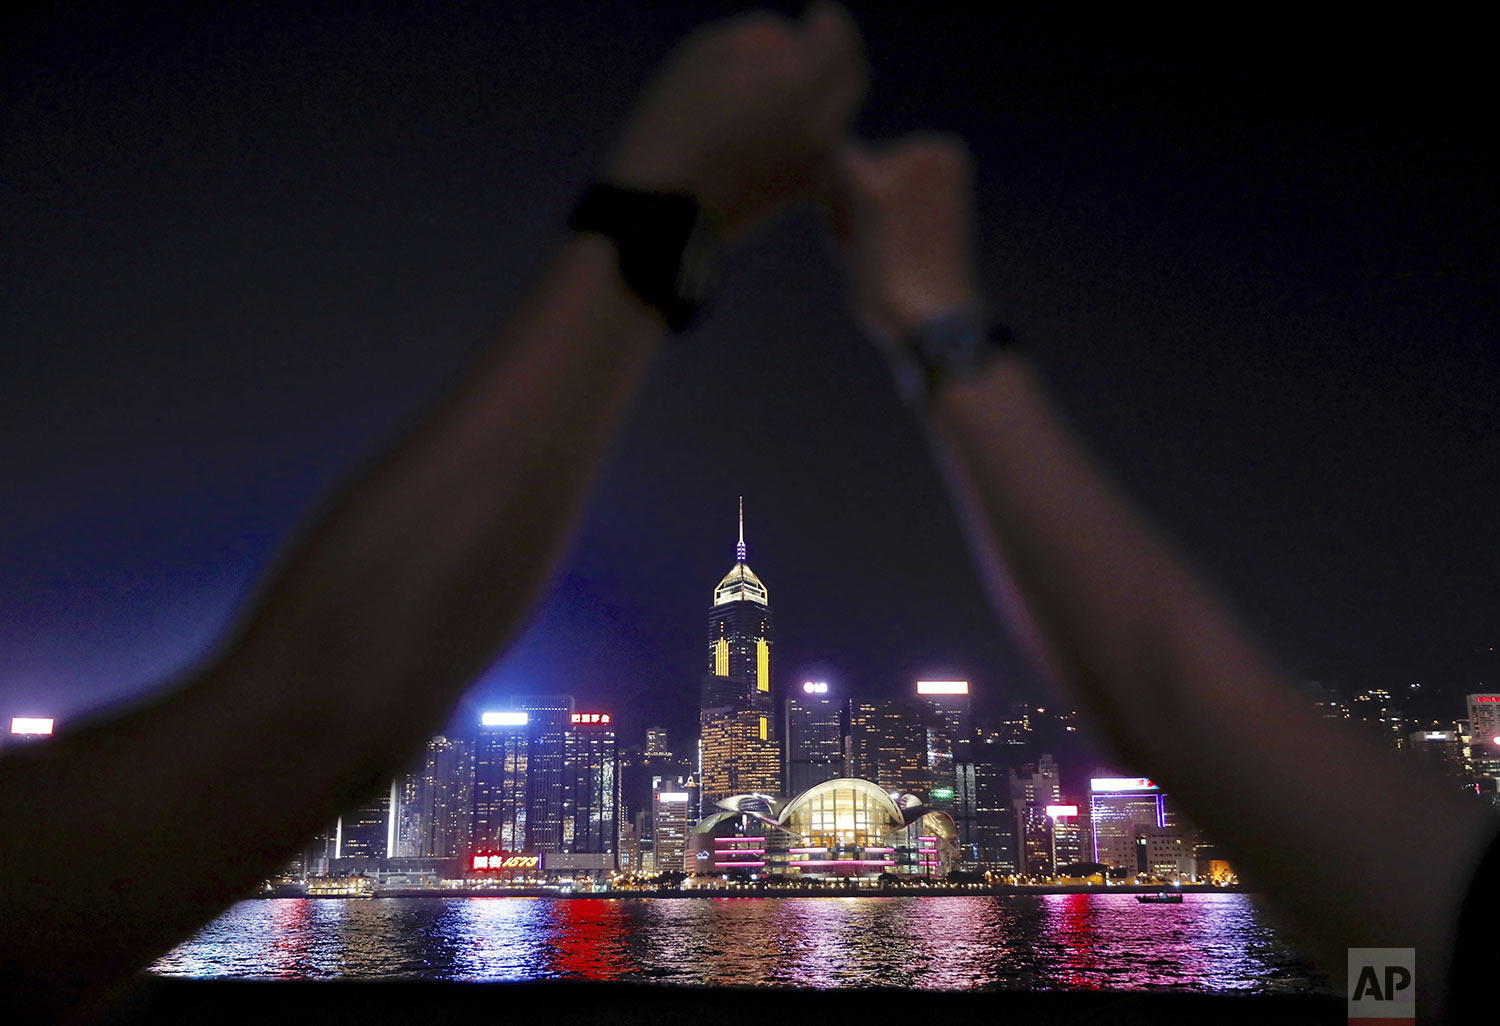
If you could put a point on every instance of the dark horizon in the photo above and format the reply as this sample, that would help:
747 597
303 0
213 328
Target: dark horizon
244 247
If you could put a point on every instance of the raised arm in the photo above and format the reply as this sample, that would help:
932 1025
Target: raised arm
120 839
1355 849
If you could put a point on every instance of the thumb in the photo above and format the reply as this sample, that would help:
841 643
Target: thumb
851 180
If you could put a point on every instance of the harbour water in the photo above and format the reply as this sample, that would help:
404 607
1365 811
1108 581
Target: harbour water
1210 942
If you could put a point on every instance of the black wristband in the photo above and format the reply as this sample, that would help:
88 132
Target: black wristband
664 244
948 346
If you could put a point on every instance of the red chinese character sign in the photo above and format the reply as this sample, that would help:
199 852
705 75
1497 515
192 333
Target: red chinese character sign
591 718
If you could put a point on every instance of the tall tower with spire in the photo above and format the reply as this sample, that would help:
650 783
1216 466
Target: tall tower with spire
740 742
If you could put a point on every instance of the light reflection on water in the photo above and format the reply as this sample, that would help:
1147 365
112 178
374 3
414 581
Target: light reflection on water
1057 941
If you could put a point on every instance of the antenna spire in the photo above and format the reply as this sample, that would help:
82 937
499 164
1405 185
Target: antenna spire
739 550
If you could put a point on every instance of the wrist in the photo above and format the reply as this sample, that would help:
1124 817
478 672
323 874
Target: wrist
665 244
946 345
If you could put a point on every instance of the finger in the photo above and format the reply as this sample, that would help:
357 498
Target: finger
760 30
834 46
848 184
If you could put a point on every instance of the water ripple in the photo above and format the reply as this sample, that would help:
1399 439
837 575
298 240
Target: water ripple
1210 942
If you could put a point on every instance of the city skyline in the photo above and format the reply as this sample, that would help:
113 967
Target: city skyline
1265 303
248 249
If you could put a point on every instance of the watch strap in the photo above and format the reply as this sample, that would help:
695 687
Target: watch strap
949 345
663 242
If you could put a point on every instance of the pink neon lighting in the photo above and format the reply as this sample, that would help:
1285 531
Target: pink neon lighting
886 850
1114 785
845 862
736 840
736 852
808 851
932 839
737 865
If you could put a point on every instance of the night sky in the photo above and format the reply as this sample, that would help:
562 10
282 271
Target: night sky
241 249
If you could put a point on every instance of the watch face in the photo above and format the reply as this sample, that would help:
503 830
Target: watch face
951 343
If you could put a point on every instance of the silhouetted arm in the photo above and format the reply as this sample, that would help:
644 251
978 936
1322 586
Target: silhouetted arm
1356 849
120 839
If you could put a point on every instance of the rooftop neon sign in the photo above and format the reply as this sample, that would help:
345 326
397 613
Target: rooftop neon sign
1111 785
815 687
942 687
590 717
504 719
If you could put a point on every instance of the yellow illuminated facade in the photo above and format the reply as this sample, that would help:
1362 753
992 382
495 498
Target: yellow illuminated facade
739 754
741 749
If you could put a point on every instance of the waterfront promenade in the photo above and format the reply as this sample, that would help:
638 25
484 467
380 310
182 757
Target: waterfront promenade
780 891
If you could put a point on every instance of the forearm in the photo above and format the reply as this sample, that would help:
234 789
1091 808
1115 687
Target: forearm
411 578
1365 852
358 647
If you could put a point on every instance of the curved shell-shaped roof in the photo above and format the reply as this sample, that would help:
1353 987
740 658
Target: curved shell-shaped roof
941 824
718 819
873 791
751 802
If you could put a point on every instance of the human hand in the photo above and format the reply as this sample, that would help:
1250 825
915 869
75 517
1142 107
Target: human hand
903 217
747 114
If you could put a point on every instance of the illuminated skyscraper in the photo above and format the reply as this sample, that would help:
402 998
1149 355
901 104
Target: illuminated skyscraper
1442 751
547 721
671 821
590 791
501 761
814 737
436 801
370 830
1033 790
994 817
1484 735
888 744
1120 809
737 708
944 705
640 770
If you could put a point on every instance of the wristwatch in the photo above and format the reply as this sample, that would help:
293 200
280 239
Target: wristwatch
665 244
948 346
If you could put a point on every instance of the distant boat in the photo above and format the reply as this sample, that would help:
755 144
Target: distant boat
1164 898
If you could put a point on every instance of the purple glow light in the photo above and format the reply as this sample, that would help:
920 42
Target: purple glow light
810 851
844 862
886 850
737 865
1116 785
737 840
